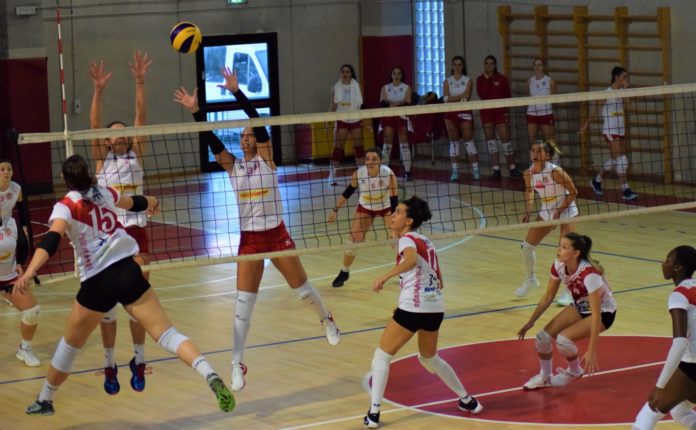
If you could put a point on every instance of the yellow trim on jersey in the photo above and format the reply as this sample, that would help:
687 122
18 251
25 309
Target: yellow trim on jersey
6 256
254 194
125 188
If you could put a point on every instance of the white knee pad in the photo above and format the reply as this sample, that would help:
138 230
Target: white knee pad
31 316
171 340
566 347
405 152
609 165
454 149
432 364
64 356
684 414
507 148
492 146
621 164
471 147
386 152
543 343
110 317
381 360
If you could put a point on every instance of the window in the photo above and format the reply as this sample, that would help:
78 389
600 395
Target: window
430 46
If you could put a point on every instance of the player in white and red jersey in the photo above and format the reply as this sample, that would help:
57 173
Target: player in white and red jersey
393 94
613 130
14 251
108 276
592 311
255 181
541 115
378 198
119 165
557 193
460 125
421 309
675 389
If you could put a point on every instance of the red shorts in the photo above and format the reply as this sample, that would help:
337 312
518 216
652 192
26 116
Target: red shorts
371 213
497 116
540 119
459 117
612 137
140 236
395 122
341 125
256 242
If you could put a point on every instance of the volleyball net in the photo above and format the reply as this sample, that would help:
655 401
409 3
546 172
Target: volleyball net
199 218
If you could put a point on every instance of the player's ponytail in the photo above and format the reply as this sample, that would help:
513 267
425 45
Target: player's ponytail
76 174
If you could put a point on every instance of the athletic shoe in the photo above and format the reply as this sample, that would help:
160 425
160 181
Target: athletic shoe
476 174
596 187
496 174
527 285
629 195
564 299
28 357
472 406
41 408
537 381
564 377
238 372
224 397
333 334
137 380
515 173
408 177
455 176
111 385
340 279
371 420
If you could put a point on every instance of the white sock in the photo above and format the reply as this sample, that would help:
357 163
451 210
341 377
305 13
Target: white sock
310 295
332 171
139 353
647 418
47 391
455 167
345 269
242 322
109 360
625 186
529 258
25 344
406 156
380 374
574 366
546 367
598 178
201 365
474 165
447 375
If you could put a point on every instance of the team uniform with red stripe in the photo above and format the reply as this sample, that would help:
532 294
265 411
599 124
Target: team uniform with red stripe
684 297
396 94
457 87
421 287
552 194
614 126
8 234
585 280
374 191
540 114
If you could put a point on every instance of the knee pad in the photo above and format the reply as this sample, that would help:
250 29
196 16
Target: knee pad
381 360
621 164
110 316
543 342
471 148
609 165
337 154
64 356
432 364
31 316
507 148
684 414
171 340
492 146
454 149
405 151
566 347
386 152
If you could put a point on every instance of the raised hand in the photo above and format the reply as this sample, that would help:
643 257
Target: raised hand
189 101
141 61
98 75
231 82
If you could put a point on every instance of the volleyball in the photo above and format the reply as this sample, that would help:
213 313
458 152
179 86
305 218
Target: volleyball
185 37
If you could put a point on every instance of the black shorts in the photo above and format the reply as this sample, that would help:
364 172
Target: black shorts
689 369
414 321
607 318
122 282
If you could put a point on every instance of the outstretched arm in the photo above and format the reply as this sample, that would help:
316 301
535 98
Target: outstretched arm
99 80
141 61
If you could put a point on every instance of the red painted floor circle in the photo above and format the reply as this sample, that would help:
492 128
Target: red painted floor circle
495 371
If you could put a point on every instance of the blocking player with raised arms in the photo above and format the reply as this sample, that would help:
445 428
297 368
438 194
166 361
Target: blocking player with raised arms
255 180
421 309
675 389
119 164
592 312
460 125
378 198
108 276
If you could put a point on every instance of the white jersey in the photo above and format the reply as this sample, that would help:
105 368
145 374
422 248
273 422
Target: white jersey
258 197
552 194
684 297
421 287
539 87
345 105
585 280
8 200
613 114
374 191
8 249
93 228
396 94
124 174
457 87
